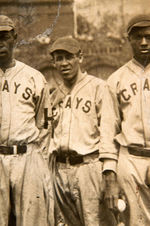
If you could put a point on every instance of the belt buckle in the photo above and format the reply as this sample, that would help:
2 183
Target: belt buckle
14 149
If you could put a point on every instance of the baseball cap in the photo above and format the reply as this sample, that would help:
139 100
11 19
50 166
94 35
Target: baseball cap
6 24
68 44
142 20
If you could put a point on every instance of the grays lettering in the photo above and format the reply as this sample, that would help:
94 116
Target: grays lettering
27 93
134 88
60 103
87 106
126 97
68 104
5 86
126 93
54 113
16 87
78 102
146 85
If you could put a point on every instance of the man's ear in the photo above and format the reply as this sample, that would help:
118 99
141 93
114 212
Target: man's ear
52 61
15 35
80 57
15 38
54 64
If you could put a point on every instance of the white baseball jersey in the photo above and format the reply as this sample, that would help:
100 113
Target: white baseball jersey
24 121
76 114
126 120
23 99
126 109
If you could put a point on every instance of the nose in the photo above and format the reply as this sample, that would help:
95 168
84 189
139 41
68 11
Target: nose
1 42
64 61
143 41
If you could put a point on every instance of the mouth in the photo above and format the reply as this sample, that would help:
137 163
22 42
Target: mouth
3 52
65 71
144 51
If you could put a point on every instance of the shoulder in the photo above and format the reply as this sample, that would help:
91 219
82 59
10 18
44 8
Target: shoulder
56 96
96 86
95 80
116 77
119 73
30 72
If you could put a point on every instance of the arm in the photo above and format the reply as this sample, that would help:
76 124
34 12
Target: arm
110 127
43 118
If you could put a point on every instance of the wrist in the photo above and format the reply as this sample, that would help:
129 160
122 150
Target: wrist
109 173
109 176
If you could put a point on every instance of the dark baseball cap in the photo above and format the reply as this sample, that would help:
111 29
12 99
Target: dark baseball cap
142 20
66 43
6 24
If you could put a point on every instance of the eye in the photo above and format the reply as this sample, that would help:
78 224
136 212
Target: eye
137 37
69 56
4 37
58 58
147 37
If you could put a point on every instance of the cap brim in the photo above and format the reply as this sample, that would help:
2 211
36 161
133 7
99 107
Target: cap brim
66 44
139 24
73 51
6 28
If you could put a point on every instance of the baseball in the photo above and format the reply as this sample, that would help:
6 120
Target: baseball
121 205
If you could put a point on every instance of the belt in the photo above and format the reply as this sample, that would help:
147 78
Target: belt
138 151
13 150
75 159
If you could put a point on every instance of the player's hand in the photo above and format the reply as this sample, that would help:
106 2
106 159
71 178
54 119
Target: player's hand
111 190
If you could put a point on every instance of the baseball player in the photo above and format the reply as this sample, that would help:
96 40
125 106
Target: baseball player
125 126
24 136
75 165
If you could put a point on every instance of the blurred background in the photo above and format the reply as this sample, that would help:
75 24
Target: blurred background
99 25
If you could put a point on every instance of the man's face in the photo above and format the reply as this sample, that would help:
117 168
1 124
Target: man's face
7 40
140 43
67 65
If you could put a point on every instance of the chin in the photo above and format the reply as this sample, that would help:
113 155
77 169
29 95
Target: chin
145 56
142 56
145 60
67 76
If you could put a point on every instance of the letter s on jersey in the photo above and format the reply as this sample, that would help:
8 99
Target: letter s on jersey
26 95
87 106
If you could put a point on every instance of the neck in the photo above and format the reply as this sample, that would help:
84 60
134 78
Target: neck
5 65
70 84
143 61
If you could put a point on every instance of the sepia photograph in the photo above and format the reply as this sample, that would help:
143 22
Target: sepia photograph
74 113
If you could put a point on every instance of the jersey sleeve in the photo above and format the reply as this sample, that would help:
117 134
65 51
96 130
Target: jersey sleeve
100 91
43 117
110 127
99 97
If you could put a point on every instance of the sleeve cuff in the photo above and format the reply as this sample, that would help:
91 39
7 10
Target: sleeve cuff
110 164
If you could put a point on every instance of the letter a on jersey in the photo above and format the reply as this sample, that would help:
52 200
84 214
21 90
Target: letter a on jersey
68 104
5 86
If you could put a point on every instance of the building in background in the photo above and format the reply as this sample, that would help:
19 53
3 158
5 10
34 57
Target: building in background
98 25
38 23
